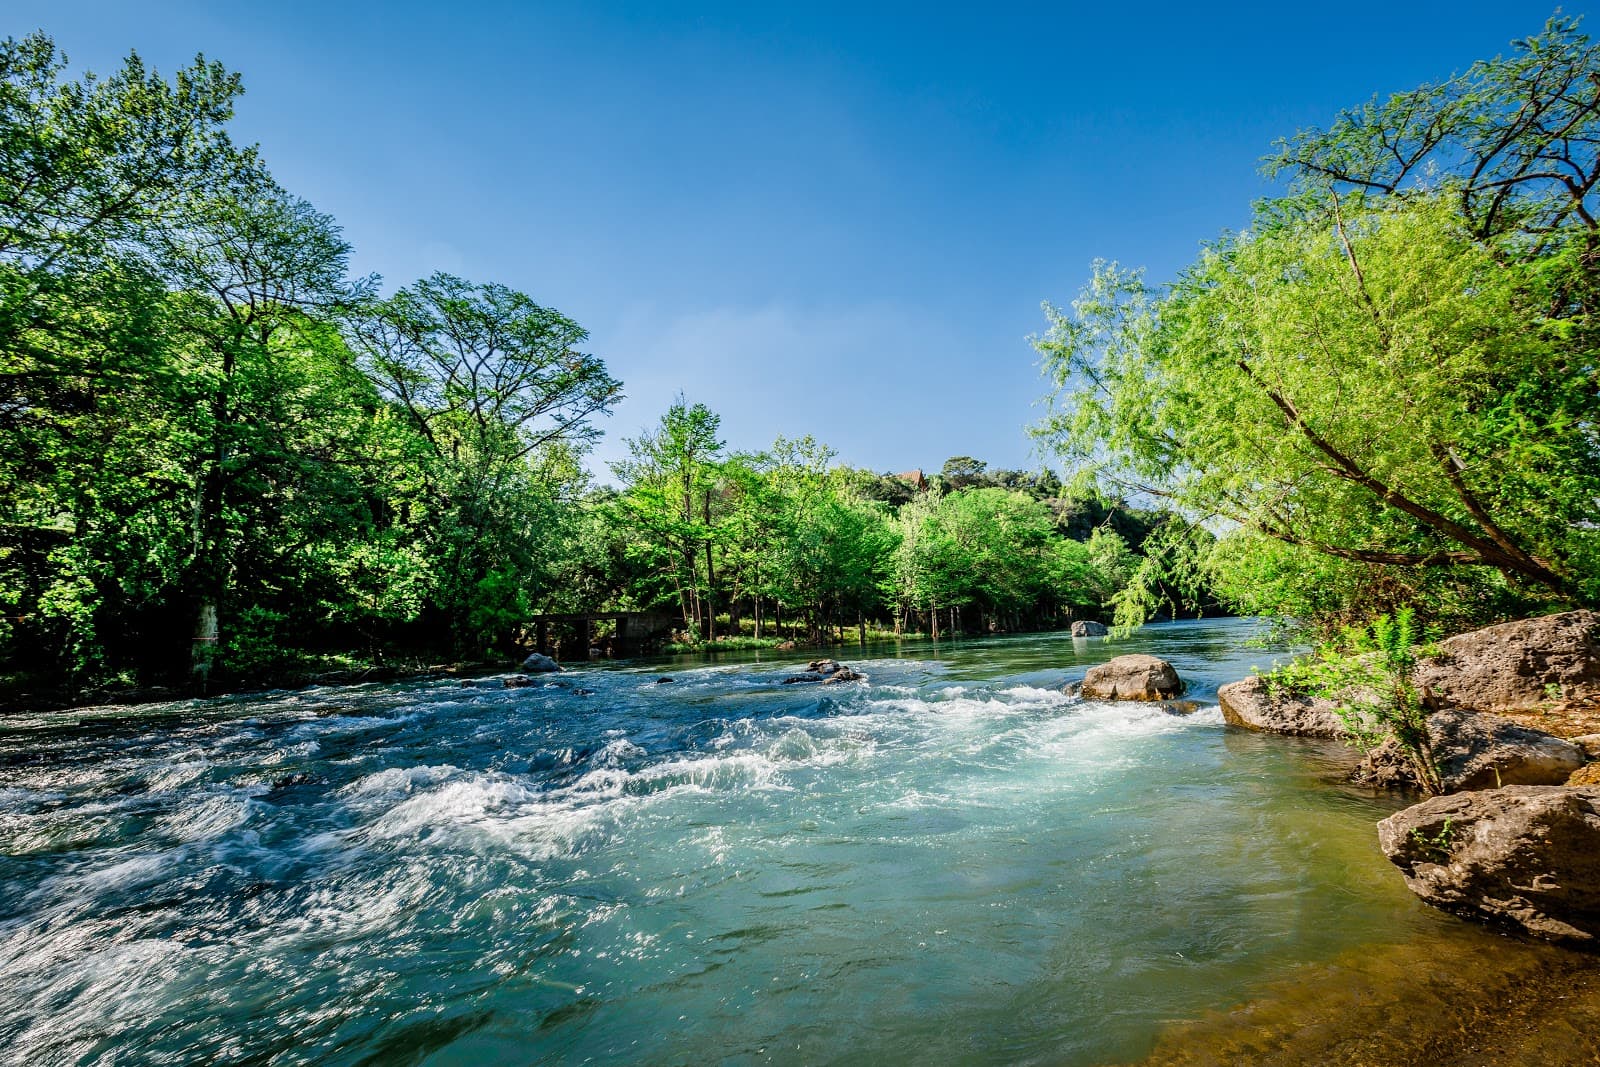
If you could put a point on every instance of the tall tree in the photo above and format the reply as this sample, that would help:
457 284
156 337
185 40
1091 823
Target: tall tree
670 476
500 394
256 272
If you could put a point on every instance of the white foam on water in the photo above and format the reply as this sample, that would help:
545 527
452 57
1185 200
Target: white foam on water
301 750
399 781
129 874
211 817
96 985
177 775
616 752
474 799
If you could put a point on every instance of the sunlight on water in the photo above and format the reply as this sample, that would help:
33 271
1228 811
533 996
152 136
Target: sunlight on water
953 862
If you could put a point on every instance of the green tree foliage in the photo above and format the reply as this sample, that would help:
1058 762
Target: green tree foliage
671 475
498 395
197 471
1390 376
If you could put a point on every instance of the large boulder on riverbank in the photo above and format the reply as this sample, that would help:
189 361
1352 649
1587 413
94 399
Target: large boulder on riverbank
1477 751
1132 677
1254 705
1088 628
1524 666
1522 856
539 663
1487 751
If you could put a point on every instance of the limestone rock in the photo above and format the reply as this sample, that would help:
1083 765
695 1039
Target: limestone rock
1518 666
1488 751
539 663
1132 677
1476 751
1088 628
1249 704
826 671
1523 856
1590 743
1588 774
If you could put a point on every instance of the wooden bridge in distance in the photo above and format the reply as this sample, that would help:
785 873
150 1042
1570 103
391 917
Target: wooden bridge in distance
633 629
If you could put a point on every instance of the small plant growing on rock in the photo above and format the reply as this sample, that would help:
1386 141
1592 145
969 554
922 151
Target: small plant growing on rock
1439 846
1390 701
1370 674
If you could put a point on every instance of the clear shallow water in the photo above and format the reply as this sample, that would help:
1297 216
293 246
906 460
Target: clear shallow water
953 863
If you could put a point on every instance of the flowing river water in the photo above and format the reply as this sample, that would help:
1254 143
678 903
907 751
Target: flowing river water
951 863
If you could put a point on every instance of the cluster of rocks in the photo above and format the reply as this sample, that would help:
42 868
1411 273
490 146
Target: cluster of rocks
536 663
827 672
1514 728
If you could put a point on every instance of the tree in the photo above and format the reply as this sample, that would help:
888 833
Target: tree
257 273
960 472
670 476
500 396
1379 388
1395 368
92 173
1515 139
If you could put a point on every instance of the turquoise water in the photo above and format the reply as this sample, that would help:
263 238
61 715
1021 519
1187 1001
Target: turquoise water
950 863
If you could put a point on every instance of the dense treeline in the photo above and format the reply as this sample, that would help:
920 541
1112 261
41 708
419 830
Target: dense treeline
787 534
1386 392
221 454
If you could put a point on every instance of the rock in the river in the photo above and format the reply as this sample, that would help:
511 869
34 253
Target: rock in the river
1524 856
1590 743
1250 704
1476 751
1132 677
1088 628
539 663
1588 774
826 671
1487 751
1518 666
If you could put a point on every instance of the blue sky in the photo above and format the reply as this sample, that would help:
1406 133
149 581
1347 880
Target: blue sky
815 219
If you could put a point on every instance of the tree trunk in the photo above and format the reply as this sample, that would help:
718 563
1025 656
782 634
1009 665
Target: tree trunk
711 572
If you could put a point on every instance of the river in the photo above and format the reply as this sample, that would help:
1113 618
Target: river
952 862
